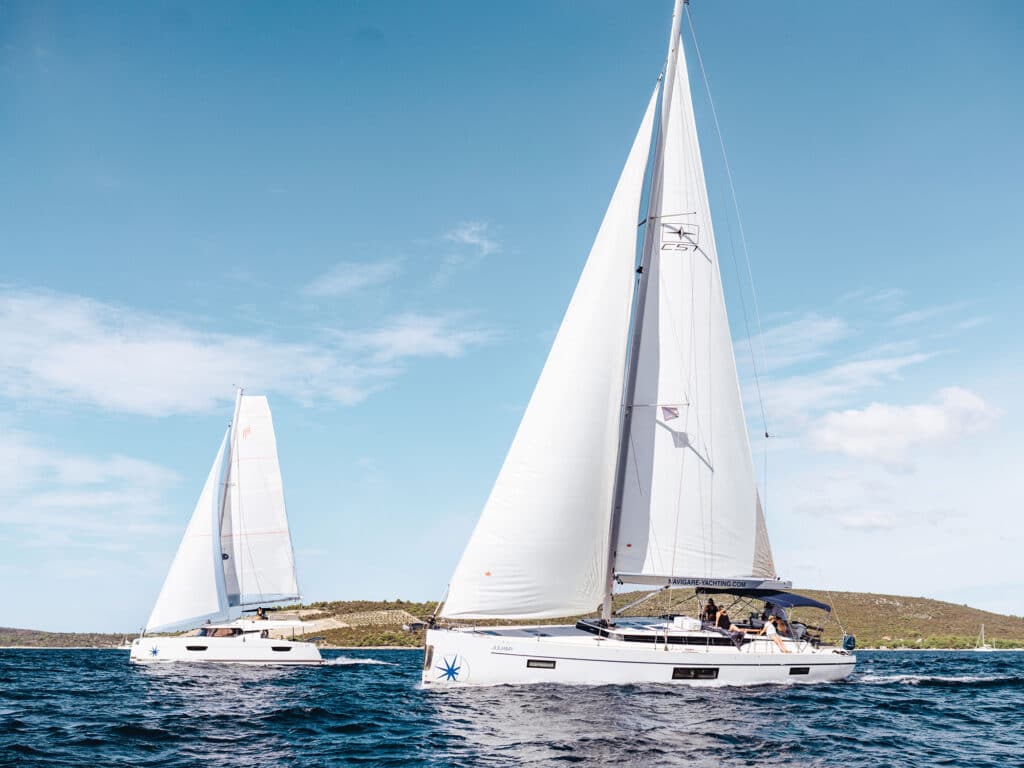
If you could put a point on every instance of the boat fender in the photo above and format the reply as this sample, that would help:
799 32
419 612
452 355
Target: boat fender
849 642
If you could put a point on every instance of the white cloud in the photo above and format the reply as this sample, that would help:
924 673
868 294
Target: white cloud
473 242
795 399
859 500
350 276
888 297
54 498
415 335
55 346
973 322
796 341
870 520
928 313
886 433
953 517
474 234
889 494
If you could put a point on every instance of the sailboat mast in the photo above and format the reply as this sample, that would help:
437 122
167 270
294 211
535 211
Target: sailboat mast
650 244
231 452
230 461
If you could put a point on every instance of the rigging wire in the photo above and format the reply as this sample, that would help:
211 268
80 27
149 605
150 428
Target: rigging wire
746 255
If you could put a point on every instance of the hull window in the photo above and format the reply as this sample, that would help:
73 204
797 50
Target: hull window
540 664
695 673
195 647
280 647
799 670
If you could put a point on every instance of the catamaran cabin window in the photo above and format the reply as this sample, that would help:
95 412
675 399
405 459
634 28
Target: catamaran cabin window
223 632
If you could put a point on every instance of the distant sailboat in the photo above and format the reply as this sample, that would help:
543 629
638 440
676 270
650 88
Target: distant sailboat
236 556
982 645
632 464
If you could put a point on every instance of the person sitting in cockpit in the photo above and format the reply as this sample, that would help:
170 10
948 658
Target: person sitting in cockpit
710 612
722 620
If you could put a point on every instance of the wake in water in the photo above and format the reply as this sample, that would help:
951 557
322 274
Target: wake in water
977 681
344 661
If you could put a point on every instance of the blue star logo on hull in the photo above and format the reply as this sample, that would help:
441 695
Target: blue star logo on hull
450 670
154 651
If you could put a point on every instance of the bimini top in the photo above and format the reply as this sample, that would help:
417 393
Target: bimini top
781 599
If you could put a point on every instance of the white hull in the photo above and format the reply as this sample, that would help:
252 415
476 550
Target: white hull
241 649
565 654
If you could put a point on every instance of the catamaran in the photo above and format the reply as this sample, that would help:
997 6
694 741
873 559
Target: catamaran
632 466
235 559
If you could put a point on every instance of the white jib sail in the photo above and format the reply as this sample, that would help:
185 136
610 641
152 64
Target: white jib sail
690 503
539 549
193 591
260 565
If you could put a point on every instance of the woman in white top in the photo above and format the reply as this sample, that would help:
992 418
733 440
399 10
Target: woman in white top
769 630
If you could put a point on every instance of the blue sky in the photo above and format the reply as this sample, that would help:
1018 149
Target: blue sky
375 213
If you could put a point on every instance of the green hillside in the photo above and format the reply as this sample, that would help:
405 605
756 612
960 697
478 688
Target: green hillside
918 622
33 638
877 620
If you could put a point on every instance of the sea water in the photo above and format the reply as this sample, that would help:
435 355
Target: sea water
91 708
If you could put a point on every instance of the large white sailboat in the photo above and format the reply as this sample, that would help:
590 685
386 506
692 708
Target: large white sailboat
632 465
236 558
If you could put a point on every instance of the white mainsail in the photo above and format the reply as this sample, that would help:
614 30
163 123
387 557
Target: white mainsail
690 503
540 546
260 565
193 591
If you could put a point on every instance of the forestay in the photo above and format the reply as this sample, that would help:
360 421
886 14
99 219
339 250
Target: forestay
690 502
540 547
193 591
259 566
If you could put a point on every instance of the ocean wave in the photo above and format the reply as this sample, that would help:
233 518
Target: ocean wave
942 681
135 731
346 661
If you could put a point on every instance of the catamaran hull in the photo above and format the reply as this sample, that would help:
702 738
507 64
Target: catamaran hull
456 658
244 649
